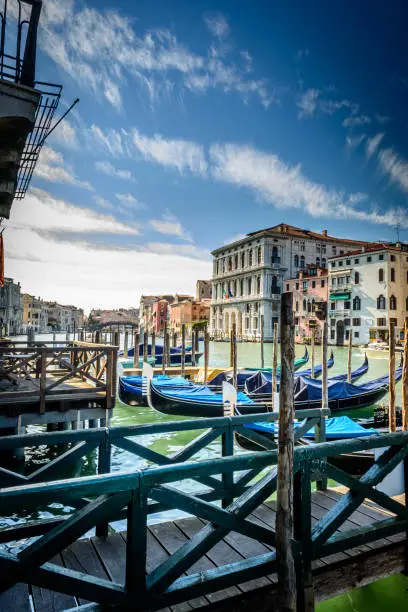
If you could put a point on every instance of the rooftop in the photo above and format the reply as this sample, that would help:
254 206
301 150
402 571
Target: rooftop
397 247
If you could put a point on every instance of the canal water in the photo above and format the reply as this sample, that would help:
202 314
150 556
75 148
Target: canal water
374 598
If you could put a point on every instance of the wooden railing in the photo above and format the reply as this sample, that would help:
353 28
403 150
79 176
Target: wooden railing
242 483
50 368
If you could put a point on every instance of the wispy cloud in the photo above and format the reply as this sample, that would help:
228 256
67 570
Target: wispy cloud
170 225
382 118
65 134
395 167
356 121
307 103
353 142
218 25
284 186
103 203
373 143
110 170
51 167
180 154
128 200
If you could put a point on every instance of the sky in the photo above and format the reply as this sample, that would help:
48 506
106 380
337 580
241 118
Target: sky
199 122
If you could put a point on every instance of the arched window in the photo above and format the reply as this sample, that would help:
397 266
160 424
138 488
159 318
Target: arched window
297 305
313 305
296 261
250 257
249 286
274 281
309 307
236 261
229 264
302 261
356 278
242 259
393 303
381 302
356 303
323 262
318 261
241 282
392 277
259 254
304 305
275 255
380 275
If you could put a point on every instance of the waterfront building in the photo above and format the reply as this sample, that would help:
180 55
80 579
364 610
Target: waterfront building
203 289
159 316
367 288
248 275
63 318
189 312
35 314
310 291
120 316
11 309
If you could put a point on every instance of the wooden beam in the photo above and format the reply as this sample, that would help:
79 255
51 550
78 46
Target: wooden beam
183 349
350 350
404 398
136 349
312 342
391 364
206 354
284 506
274 364
262 342
234 354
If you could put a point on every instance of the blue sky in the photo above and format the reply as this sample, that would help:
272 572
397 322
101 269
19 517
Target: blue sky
201 121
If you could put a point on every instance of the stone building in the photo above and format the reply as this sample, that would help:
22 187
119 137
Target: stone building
310 291
35 314
368 288
188 312
11 309
248 275
203 290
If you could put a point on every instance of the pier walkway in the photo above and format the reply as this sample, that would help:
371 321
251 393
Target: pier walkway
219 554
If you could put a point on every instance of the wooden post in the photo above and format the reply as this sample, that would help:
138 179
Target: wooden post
284 504
183 349
391 410
164 354
136 350
126 345
43 379
262 343
312 342
145 345
404 398
320 429
196 340
274 363
174 338
234 355
231 348
193 347
168 352
153 341
350 350
206 354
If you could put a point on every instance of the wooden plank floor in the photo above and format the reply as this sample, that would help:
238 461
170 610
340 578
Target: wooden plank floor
105 558
74 388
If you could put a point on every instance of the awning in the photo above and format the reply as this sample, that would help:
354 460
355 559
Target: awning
339 296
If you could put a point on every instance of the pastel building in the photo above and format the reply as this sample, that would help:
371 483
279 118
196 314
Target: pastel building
310 291
188 312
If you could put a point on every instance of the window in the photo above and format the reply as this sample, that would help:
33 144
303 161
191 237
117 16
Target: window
356 303
297 306
297 286
333 264
356 278
296 261
346 334
347 305
241 282
275 256
242 259
393 303
309 307
347 322
312 271
392 257
406 303
332 334
381 257
356 322
258 285
323 262
332 305
334 281
381 322
407 276
302 246
287 286
318 261
356 261
313 284
369 259
356 334
332 322
392 275
341 263
304 305
259 254
304 285
302 261
249 286
348 262
236 261
334 250
381 302
380 275
250 257
229 264
322 282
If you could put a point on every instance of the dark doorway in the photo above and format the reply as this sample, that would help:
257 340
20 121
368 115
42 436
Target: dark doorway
340 333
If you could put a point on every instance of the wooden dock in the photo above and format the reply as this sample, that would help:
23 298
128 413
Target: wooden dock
105 558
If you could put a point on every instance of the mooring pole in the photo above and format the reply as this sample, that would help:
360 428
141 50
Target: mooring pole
145 344
234 355
168 352
206 354
274 363
350 350
183 349
125 345
231 347
404 398
284 504
262 343
153 349
193 347
391 410
325 393
174 338
136 350
164 354
312 342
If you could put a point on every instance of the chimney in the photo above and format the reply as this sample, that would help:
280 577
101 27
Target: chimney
324 232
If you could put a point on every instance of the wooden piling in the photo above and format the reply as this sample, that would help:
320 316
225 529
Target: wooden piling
153 342
350 350
145 345
404 398
183 349
234 354
164 355
274 363
325 392
206 354
136 349
126 345
196 340
286 596
312 342
231 348
174 338
193 346
262 342
391 363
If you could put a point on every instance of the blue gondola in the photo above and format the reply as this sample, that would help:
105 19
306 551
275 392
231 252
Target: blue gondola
131 387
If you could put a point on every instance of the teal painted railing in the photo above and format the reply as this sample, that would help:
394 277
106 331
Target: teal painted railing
242 482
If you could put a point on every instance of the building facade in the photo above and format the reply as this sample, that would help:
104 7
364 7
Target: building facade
310 291
35 314
188 312
203 290
248 276
368 288
11 308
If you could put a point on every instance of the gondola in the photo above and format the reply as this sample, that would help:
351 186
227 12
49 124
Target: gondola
298 364
157 360
131 387
259 386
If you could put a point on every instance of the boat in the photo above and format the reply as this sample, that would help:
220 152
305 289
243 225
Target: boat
131 387
298 364
260 384
157 360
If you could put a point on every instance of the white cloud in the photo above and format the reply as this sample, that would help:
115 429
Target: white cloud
382 118
110 170
373 143
395 166
169 224
179 154
218 25
103 203
51 167
65 134
128 200
308 102
353 142
110 141
356 121
42 211
286 187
